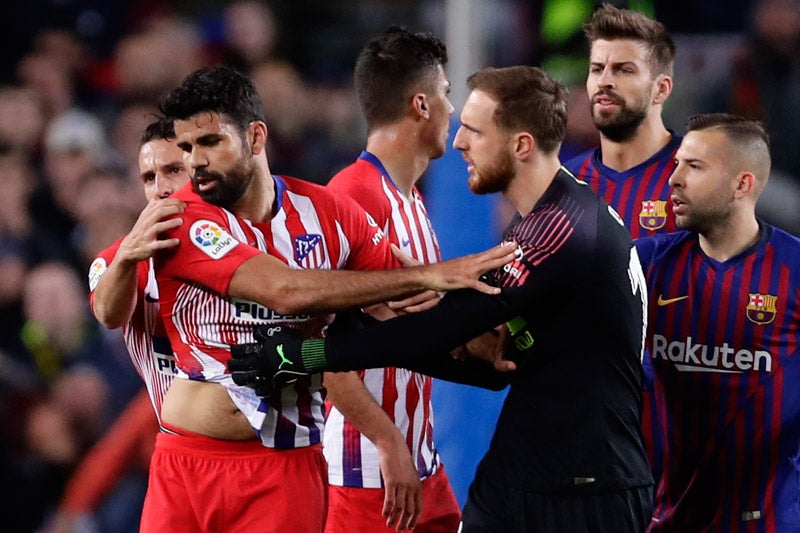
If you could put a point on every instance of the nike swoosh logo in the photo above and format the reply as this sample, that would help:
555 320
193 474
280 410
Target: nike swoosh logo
666 301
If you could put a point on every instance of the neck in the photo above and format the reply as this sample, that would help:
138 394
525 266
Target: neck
398 149
730 239
531 180
651 137
257 202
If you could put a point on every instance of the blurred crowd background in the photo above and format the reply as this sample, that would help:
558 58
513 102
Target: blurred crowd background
79 80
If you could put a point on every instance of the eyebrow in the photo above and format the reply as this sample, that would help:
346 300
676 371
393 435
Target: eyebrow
615 63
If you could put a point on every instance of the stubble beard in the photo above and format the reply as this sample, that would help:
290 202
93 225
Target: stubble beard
704 222
230 186
492 178
622 126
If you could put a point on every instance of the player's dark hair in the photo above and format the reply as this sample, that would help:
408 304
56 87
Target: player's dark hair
161 128
219 89
391 68
527 100
610 23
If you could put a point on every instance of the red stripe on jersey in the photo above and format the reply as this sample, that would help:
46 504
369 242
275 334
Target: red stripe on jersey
402 394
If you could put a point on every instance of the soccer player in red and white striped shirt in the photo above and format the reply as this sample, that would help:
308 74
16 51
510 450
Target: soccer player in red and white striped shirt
121 279
251 251
379 430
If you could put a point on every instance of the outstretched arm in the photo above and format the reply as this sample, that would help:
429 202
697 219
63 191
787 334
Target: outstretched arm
268 281
419 341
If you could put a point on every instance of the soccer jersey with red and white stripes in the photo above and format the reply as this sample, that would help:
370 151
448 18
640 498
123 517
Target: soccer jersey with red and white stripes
311 228
145 336
405 396
724 341
640 194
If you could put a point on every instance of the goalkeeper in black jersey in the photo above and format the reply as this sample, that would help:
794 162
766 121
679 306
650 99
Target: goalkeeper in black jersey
567 452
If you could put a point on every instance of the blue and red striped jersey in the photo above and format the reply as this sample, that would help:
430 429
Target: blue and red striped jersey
723 342
640 194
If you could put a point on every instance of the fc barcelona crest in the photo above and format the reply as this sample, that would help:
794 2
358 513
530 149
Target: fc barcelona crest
653 215
761 308
308 251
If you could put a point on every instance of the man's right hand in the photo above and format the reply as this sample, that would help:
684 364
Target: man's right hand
269 364
143 240
464 272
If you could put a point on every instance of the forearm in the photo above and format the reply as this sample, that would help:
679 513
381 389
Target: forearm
419 340
268 281
475 372
349 395
114 298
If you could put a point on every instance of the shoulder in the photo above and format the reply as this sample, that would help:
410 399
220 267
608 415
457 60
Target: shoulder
651 249
326 202
358 171
576 163
320 195
786 245
196 207
361 180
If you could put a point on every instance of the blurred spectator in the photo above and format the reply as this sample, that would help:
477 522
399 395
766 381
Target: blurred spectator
22 119
60 334
50 79
108 205
101 495
74 145
15 231
59 429
150 62
251 34
125 130
313 131
764 84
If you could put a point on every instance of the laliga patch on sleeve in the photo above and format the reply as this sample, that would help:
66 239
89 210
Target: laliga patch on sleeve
212 239
96 270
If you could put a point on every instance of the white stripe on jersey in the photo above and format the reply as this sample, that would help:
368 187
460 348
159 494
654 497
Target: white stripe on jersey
157 370
417 231
410 229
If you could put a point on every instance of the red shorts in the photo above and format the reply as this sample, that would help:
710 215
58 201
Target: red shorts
203 484
356 509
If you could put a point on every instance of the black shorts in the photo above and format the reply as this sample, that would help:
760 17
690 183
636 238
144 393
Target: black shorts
494 508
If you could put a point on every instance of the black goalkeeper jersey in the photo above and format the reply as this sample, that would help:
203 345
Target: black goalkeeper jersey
570 421
575 302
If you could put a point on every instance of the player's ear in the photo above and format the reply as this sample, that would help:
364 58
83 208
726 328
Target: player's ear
523 145
257 136
745 182
663 89
420 105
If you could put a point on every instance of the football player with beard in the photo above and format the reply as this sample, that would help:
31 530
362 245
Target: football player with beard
630 69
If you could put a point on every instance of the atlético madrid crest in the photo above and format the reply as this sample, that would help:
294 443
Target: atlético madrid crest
308 251
761 308
653 215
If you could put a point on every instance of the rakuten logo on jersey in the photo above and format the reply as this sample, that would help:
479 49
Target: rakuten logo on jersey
689 356
252 311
